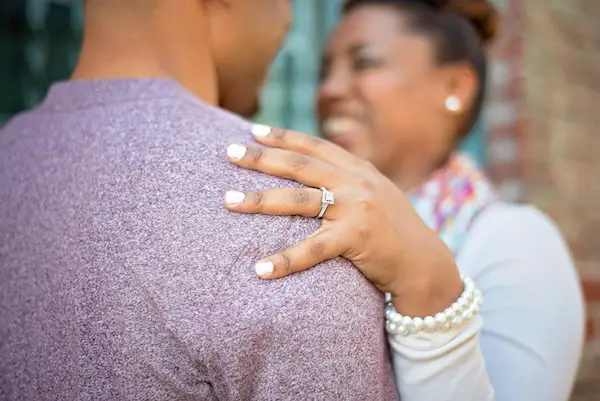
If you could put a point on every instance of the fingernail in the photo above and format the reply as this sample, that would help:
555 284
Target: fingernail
236 152
261 131
234 197
264 268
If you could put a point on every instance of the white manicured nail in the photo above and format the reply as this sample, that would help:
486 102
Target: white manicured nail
234 197
236 152
264 268
261 131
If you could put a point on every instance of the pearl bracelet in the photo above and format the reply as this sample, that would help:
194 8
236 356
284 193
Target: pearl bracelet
459 313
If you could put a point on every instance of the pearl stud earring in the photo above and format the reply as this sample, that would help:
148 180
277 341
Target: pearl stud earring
452 103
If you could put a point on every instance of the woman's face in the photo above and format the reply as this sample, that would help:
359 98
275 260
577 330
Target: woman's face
382 97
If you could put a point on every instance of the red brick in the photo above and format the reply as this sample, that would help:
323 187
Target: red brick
591 290
554 82
569 27
515 88
590 329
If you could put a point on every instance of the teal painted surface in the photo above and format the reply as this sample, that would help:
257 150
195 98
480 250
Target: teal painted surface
289 97
475 144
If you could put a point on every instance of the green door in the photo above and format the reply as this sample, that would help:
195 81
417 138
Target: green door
39 44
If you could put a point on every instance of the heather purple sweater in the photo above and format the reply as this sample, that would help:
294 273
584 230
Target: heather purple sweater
122 276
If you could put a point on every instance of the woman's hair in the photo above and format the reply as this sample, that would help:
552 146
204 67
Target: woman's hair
459 30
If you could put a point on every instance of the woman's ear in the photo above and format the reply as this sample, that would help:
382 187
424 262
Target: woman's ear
460 88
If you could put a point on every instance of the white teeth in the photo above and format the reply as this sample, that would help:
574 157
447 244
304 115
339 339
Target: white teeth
339 125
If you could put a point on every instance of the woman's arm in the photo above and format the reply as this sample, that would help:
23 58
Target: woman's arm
520 263
529 345
442 366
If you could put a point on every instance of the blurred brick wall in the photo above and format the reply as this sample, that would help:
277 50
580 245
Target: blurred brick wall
544 127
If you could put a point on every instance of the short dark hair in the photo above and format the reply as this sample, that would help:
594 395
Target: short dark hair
459 30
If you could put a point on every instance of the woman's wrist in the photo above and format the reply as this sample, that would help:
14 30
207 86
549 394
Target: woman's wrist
456 315
426 292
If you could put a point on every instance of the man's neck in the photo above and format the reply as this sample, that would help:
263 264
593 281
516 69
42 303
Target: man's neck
120 47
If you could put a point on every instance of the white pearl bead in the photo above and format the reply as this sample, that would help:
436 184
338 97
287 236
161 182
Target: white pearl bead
440 321
417 324
403 330
429 324
459 313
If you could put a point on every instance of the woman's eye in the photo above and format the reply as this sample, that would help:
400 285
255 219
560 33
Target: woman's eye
363 63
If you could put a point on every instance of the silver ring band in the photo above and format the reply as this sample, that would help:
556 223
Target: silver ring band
327 198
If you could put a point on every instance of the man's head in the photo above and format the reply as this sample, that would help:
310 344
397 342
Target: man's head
245 38
220 49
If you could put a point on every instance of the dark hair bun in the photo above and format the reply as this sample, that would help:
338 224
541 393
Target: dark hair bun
480 13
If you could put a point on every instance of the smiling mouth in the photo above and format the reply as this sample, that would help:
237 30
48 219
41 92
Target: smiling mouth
341 130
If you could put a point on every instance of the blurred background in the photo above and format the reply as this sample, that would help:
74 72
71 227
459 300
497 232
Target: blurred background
539 137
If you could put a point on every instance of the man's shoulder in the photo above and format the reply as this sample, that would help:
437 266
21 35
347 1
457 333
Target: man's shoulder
199 134
163 118
215 126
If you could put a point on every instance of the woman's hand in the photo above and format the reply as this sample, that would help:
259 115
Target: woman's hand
372 223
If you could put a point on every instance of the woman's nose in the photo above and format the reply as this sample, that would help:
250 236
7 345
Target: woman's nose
334 85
